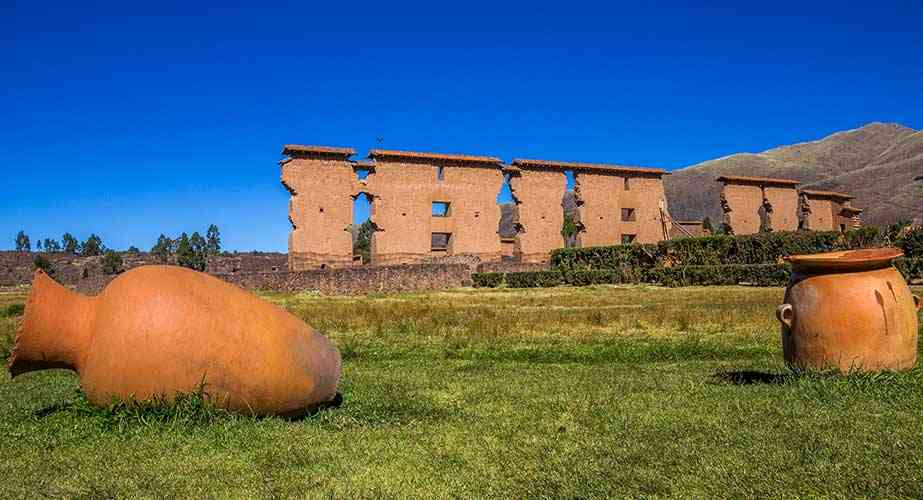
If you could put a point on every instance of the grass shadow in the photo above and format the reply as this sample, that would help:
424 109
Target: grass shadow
749 377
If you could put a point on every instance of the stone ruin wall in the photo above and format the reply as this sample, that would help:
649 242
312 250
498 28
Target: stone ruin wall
615 205
320 221
828 211
404 189
791 209
404 185
537 194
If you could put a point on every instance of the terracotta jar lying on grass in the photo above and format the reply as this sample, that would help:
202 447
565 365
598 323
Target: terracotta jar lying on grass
156 331
849 311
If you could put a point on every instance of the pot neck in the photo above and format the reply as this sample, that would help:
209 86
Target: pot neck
55 330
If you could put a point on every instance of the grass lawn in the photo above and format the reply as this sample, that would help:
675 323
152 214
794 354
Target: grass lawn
590 392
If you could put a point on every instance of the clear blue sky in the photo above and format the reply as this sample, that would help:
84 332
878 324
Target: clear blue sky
131 119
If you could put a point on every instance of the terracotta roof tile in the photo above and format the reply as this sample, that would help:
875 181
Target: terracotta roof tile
758 180
293 149
415 155
595 167
827 194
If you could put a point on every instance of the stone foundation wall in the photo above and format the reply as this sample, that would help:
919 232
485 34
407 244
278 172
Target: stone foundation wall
256 271
359 280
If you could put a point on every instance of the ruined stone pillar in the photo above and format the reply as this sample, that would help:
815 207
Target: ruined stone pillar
320 181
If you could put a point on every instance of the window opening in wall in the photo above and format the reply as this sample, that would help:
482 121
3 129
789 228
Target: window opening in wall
627 184
628 239
628 215
362 173
440 242
440 173
508 224
440 209
362 229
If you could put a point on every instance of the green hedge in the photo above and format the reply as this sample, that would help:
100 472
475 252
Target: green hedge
732 274
762 248
488 280
609 257
912 269
534 279
911 242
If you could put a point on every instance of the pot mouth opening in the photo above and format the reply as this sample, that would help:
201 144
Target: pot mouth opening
847 260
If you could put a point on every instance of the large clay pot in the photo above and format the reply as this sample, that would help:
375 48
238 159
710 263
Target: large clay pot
156 331
849 311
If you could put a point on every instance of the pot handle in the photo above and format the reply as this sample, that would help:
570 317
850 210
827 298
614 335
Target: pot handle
786 314
917 302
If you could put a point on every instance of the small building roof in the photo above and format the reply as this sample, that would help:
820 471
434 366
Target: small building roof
826 194
852 210
416 155
757 180
295 149
592 167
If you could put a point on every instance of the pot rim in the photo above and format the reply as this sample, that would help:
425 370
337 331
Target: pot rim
846 260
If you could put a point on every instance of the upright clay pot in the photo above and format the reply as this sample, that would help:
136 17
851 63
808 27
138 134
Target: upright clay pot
156 331
849 311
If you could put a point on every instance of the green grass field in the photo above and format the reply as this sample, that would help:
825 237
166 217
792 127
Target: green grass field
564 392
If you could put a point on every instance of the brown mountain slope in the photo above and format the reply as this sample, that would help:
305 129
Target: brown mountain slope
877 163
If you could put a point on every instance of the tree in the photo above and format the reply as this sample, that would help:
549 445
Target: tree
570 229
133 249
213 237
38 245
42 262
363 245
199 251
92 246
22 242
112 262
163 248
70 243
52 245
186 254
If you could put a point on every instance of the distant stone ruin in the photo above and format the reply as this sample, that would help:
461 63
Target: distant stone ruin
429 205
759 204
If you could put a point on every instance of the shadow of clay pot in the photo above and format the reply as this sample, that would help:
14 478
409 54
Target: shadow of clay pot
156 331
849 311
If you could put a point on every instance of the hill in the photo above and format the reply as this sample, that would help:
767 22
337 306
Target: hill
880 163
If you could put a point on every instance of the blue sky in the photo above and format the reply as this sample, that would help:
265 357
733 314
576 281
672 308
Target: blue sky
132 120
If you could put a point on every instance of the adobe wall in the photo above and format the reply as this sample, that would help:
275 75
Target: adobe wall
742 204
819 215
320 208
742 199
601 209
645 194
404 191
784 201
828 211
538 194
401 201
603 197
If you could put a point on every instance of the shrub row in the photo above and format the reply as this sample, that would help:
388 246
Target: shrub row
732 274
763 248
